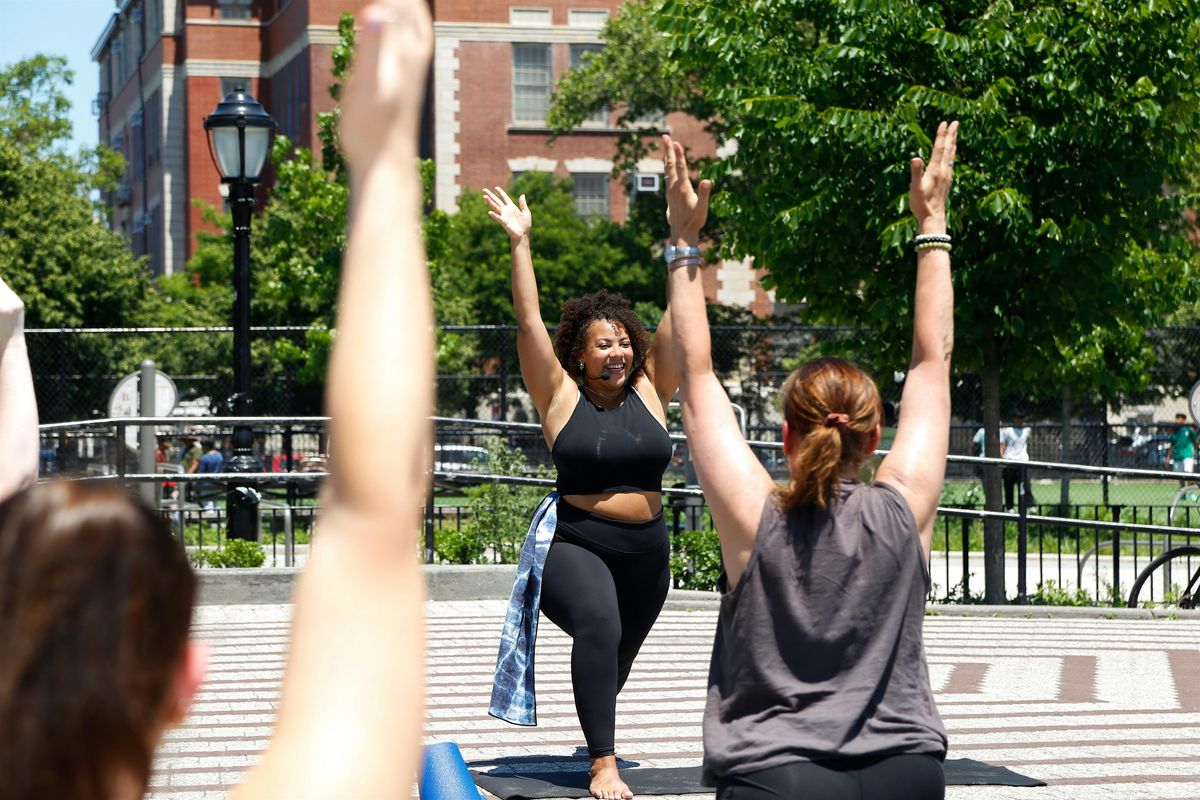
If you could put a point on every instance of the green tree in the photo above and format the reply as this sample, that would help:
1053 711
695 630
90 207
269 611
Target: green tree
572 255
1074 117
56 249
33 110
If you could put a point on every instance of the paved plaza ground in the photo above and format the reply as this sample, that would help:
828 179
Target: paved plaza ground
1097 708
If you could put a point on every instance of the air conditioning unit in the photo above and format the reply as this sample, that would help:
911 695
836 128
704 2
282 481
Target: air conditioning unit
646 182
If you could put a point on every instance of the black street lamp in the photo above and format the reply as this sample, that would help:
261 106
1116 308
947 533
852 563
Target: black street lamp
240 133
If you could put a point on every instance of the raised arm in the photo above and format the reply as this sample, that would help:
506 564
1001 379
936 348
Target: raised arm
735 483
18 405
544 377
916 465
351 714
660 361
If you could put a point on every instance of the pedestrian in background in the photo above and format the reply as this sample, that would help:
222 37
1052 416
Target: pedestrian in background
1014 446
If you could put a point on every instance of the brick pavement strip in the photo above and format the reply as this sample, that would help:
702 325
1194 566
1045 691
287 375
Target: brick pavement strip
1100 709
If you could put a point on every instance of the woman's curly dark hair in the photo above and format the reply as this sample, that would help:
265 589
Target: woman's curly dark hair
577 315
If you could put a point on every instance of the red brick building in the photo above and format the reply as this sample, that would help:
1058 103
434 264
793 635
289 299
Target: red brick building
165 64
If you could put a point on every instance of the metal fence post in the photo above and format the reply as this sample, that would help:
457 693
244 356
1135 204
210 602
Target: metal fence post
1022 535
120 451
147 407
1116 540
429 538
966 556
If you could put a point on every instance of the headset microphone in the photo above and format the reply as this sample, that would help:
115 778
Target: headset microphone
603 376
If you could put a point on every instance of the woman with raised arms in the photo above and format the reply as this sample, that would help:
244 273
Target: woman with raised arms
818 685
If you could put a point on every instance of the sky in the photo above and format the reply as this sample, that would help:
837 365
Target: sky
60 27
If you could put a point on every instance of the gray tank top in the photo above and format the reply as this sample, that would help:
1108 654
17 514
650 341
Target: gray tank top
819 652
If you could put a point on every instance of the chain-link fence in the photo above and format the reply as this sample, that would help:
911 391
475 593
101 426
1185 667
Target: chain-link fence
479 377
76 370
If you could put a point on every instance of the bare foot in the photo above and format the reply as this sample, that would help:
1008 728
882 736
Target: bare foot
606 781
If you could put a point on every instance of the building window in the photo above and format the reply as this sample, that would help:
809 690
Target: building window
587 17
600 115
539 17
153 129
137 147
531 82
229 85
235 9
153 20
591 194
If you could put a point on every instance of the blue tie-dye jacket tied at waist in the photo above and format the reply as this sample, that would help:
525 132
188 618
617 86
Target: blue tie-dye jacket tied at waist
512 689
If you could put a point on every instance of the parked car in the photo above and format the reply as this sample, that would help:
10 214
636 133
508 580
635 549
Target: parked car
1141 450
460 458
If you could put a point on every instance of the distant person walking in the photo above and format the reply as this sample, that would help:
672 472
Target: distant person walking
1014 446
191 455
211 462
1182 455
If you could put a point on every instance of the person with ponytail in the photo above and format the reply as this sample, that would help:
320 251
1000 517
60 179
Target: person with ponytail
818 685
96 663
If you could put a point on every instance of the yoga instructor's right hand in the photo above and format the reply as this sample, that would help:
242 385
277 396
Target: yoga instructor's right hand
516 219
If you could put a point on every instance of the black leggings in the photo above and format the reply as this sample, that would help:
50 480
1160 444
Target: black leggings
604 582
901 777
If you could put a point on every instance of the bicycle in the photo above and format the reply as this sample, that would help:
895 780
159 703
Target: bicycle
1188 593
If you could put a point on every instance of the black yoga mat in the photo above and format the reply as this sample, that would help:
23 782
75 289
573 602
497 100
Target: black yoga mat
686 780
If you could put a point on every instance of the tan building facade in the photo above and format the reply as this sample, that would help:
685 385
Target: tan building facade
165 64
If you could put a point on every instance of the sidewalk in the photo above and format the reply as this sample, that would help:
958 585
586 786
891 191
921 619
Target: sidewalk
1097 708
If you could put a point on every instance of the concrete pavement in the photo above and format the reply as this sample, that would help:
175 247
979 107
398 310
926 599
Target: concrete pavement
1098 708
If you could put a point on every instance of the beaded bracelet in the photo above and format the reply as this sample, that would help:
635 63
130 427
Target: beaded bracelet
923 246
931 237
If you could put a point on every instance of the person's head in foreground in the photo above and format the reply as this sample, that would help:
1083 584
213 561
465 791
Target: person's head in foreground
832 414
600 335
95 609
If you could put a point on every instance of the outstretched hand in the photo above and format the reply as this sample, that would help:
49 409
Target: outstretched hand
382 108
931 183
516 219
687 208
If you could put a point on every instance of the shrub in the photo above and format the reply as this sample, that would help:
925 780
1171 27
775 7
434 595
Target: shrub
499 513
235 553
696 560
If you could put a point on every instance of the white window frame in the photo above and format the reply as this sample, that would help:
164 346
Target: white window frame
588 201
528 91
599 117
530 17
590 18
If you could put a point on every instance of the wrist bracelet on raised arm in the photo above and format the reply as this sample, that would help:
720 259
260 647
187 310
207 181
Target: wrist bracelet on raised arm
923 246
672 253
922 238
685 261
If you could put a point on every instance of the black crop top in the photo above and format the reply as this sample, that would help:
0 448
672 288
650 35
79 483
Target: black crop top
618 450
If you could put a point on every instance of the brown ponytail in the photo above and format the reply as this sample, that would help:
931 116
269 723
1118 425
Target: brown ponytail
832 409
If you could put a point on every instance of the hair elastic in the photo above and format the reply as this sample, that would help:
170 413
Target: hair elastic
837 420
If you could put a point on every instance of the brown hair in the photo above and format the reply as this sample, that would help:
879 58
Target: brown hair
832 409
95 608
577 315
